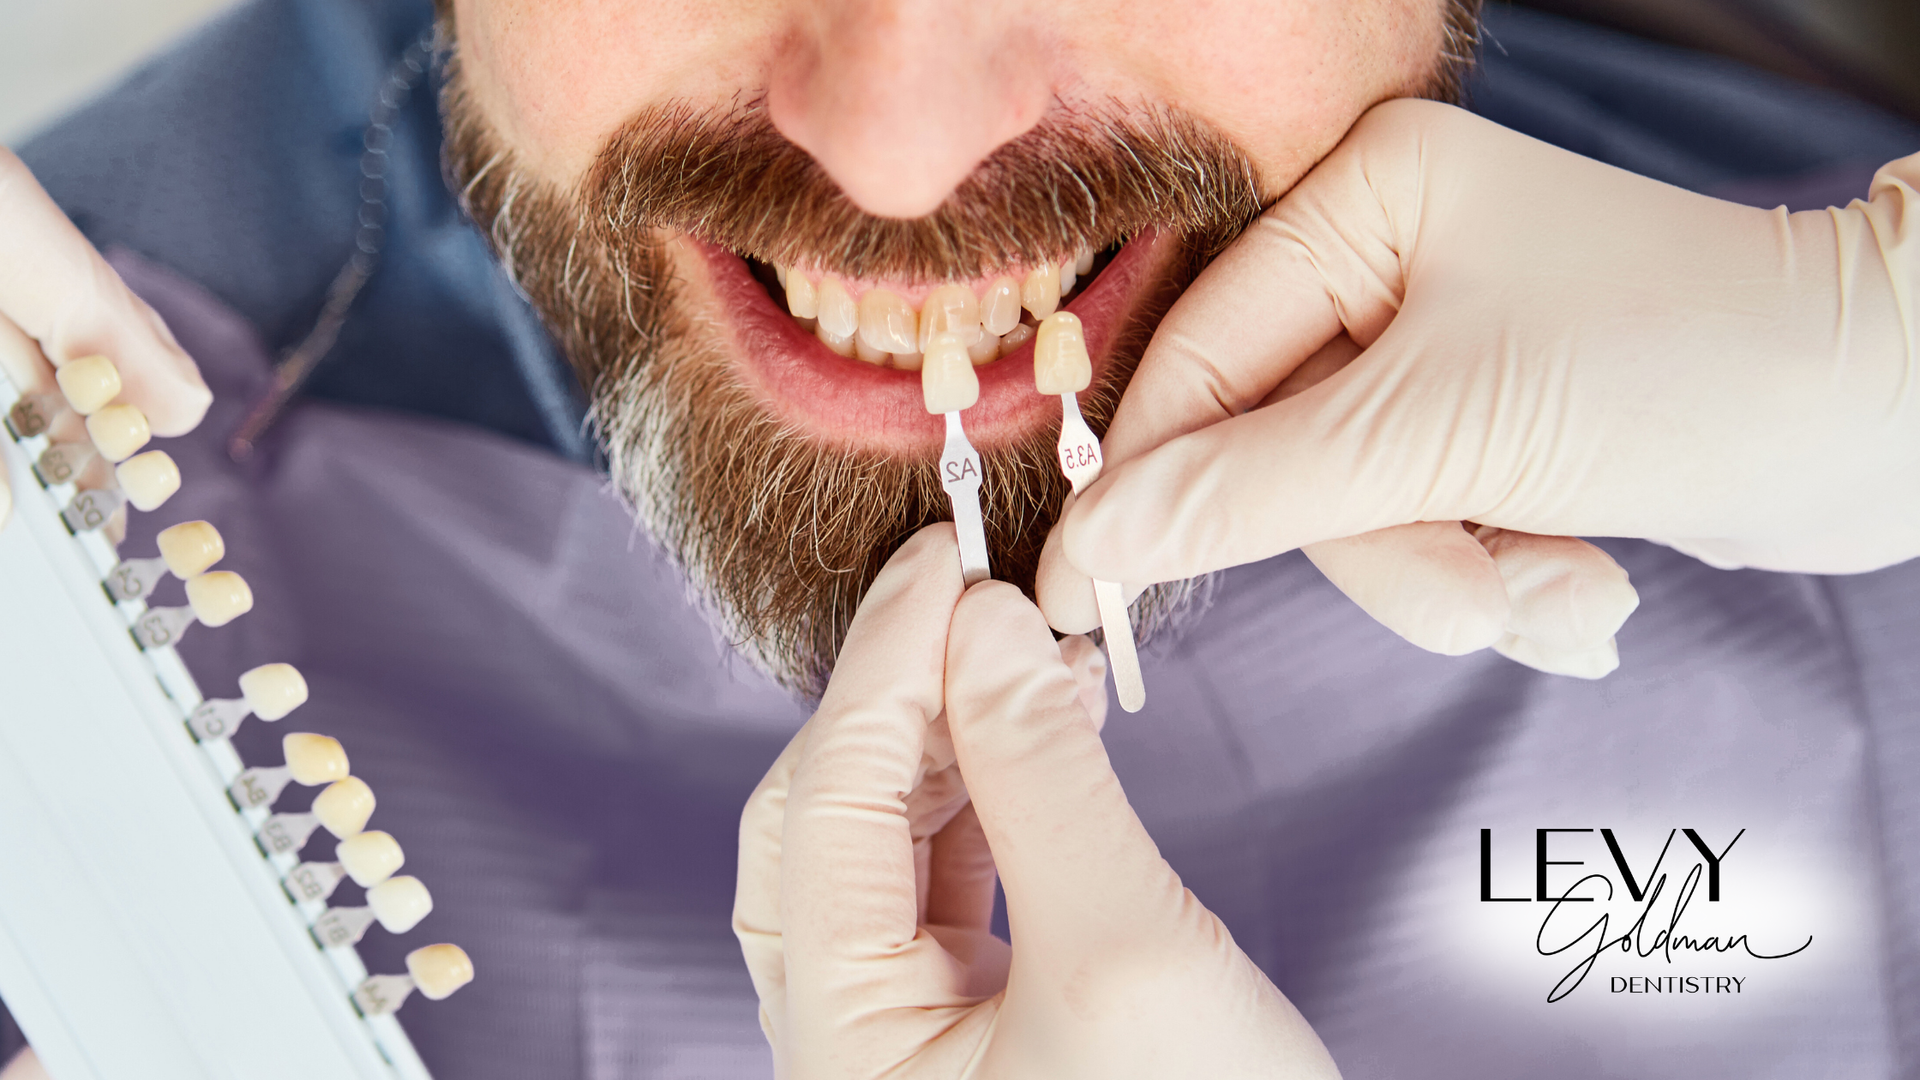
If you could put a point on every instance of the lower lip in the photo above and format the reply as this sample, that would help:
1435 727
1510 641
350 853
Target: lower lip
853 403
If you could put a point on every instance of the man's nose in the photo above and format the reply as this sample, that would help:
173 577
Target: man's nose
899 100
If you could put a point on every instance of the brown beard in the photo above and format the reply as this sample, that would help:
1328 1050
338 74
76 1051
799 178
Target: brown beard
779 532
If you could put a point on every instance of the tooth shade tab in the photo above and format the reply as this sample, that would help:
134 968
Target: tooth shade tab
148 479
1060 361
1000 307
838 315
119 431
35 413
161 627
90 510
802 300
888 323
370 858
284 834
400 903
950 309
1040 293
274 690
219 597
947 381
134 579
62 463
312 882
190 548
260 786
88 383
344 806
314 759
439 970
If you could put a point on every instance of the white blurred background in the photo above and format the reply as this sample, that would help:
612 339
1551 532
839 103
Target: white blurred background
54 54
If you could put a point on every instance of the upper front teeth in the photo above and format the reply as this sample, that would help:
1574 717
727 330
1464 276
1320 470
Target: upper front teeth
881 327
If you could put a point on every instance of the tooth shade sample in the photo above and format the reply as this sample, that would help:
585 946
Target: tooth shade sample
118 431
838 343
89 383
1083 262
947 382
1060 361
1015 338
950 309
190 548
273 690
802 301
148 479
888 323
370 858
439 970
219 598
867 353
1000 308
984 351
400 903
314 759
344 806
838 315
1040 293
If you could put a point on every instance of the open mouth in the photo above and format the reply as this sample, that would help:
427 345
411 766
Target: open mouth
840 359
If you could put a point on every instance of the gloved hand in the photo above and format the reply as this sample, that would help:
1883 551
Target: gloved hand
60 301
866 881
1450 322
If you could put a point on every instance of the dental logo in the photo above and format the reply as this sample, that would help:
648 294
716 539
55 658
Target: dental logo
1653 923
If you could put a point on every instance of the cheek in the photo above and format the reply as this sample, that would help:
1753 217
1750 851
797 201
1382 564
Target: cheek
557 77
1284 79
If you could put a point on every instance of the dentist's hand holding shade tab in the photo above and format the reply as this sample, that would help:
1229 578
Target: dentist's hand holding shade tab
957 743
1435 327
61 307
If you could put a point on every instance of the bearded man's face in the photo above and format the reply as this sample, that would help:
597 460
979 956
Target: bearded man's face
661 178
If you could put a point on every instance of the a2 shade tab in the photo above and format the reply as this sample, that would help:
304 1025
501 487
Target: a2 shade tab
116 433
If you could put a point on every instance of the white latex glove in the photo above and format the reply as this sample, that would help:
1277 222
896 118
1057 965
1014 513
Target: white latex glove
867 878
1552 348
60 301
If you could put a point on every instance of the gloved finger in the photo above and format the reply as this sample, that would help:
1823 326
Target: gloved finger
849 886
1080 872
58 290
1065 593
756 893
1430 582
1593 663
1321 264
1088 665
1569 597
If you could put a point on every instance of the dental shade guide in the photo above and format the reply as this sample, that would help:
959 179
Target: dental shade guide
1062 366
949 386
99 783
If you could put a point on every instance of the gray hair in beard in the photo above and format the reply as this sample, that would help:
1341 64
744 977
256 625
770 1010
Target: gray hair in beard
779 533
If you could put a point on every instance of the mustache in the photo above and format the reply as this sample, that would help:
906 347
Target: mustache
1087 177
